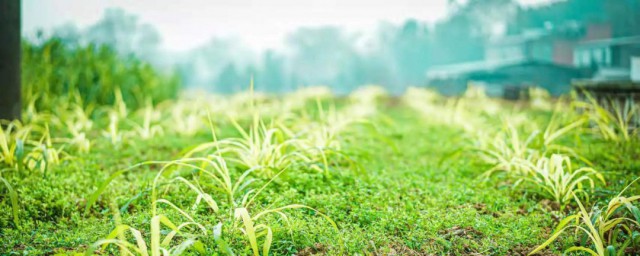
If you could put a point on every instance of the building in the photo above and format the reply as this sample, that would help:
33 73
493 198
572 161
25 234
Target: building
610 58
537 57
615 84
548 44
498 76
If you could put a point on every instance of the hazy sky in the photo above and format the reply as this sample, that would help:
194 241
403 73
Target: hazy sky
259 23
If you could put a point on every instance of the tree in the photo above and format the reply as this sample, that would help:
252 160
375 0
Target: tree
126 34
229 80
10 59
272 76
322 56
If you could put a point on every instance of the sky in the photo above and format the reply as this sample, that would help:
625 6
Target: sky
259 24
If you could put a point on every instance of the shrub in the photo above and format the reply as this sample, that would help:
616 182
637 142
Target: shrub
52 72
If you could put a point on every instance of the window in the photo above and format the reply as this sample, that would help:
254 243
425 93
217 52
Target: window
598 56
607 56
585 58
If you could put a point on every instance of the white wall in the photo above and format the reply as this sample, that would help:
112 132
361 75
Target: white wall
635 68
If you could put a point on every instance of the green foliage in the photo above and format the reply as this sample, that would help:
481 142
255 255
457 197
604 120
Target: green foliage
418 195
558 180
610 118
609 232
53 72
13 196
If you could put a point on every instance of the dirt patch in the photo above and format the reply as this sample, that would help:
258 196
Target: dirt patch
525 250
401 249
19 247
522 210
464 232
482 209
550 205
317 249
392 249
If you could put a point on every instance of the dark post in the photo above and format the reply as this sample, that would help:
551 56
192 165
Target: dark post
10 59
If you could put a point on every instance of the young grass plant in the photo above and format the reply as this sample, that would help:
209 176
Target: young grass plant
157 246
184 120
615 121
254 232
12 140
434 107
609 233
147 129
508 150
13 197
113 132
214 175
261 147
43 153
556 178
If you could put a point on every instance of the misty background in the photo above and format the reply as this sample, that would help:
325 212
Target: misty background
293 44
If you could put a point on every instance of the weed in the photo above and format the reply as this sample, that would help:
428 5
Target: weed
609 232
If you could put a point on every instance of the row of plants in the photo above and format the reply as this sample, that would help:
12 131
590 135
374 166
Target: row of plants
54 72
541 160
211 199
223 177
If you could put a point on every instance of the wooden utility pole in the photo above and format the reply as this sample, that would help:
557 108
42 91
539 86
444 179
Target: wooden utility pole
10 59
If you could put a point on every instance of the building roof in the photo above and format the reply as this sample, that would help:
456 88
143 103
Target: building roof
456 70
483 68
569 30
527 36
631 40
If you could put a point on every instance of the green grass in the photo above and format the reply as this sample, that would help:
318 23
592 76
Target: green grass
417 194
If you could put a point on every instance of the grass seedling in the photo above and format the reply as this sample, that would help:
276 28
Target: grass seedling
13 197
261 147
158 245
508 150
12 143
609 232
220 180
113 133
147 130
615 123
555 177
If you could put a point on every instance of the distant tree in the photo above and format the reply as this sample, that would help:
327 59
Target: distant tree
69 34
272 78
229 80
624 16
320 55
125 33
456 40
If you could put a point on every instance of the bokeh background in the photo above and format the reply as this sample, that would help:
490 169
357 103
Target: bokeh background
286 44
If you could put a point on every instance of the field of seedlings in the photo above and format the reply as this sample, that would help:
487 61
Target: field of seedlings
129 170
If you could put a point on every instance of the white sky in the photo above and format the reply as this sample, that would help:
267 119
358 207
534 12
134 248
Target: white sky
259 24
